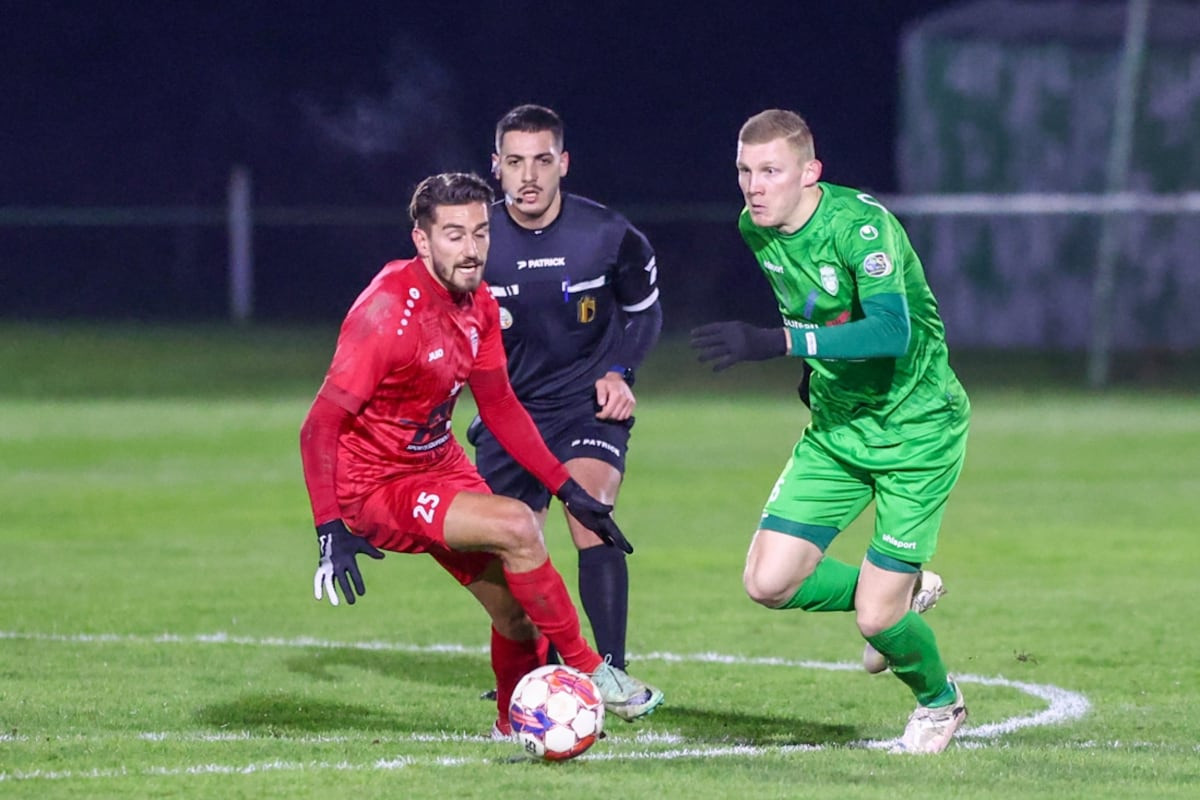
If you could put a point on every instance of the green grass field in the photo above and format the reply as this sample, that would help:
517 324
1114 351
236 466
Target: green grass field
159 638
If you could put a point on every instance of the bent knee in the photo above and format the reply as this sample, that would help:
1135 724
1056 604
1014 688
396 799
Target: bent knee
767 591
516 527
872 622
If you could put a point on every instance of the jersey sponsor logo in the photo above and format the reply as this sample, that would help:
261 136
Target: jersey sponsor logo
767 265
868 232
829 278
795 323
506 318
539 263
877 265
428 444
434 431
587 308
894 542
434 355
473 335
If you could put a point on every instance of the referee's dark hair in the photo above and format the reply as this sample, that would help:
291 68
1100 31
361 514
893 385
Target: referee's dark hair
531 118
447 189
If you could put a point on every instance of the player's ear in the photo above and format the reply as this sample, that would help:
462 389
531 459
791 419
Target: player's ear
812 172
564 162
420 241
496 165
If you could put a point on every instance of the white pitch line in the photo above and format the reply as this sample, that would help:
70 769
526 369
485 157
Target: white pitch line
1063 705
405 762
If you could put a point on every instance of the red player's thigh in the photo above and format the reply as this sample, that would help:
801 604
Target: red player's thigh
408 515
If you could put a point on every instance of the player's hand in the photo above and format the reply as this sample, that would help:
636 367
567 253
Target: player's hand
338 550
615 398
592 514
727 343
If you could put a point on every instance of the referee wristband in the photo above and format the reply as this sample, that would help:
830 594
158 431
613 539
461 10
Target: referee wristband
625 372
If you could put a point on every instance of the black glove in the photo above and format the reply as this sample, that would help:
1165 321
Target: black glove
338 548
727 343
594 515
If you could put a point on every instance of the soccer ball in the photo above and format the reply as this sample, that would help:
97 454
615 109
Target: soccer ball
556 712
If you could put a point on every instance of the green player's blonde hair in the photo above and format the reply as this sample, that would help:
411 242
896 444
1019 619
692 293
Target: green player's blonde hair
777 123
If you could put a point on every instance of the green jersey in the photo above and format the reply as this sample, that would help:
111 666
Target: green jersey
853 249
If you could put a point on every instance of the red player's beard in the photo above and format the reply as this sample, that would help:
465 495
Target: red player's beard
463 275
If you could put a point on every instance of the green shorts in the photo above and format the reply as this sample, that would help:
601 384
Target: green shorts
833 476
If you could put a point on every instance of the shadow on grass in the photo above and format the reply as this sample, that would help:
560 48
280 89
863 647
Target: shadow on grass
732 727
283 713
470 674
470 671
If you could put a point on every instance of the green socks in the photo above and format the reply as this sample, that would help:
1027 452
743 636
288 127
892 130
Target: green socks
912 653
829 588
909 646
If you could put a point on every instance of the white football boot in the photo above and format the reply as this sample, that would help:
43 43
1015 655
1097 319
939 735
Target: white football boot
929 730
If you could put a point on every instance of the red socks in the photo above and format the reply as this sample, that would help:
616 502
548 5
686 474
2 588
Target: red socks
511 659
543 595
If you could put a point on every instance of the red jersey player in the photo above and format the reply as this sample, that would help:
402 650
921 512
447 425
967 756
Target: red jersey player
384 470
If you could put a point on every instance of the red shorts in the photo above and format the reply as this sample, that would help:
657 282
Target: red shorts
407 515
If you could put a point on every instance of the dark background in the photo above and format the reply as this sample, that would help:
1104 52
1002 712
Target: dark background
350 104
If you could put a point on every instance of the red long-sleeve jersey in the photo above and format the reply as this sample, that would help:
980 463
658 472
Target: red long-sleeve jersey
406 349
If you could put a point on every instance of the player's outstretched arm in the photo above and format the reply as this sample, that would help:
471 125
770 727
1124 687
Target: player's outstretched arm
727 343
339 548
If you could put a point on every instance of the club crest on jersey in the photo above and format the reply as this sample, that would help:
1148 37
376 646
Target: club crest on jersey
587 308
506 318
868 232
877 265
473 335
829 279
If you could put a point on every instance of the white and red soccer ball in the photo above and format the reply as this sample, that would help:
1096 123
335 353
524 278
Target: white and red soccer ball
556 712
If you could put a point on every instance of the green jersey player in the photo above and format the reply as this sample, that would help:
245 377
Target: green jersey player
889 416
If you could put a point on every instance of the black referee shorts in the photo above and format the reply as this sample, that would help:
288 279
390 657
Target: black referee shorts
574 433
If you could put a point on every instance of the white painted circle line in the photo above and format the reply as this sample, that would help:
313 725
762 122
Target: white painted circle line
1063 705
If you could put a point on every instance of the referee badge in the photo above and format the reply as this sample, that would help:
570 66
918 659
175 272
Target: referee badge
506 318
587 308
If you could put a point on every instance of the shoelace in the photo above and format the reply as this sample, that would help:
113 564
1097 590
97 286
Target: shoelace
624 685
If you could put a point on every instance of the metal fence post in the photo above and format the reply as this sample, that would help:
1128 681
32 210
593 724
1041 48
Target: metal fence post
241 246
